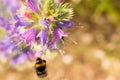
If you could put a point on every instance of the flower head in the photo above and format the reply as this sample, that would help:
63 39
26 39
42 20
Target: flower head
40 22
49 19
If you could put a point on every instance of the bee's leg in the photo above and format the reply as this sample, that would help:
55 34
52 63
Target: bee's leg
45 73
39 73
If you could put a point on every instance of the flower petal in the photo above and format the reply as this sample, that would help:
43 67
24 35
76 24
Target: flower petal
65 24
43 36
32 4
58 34
30 55
38 53
45 23
28 36
52 45
12 5
18 59
26 49
20 22
28 52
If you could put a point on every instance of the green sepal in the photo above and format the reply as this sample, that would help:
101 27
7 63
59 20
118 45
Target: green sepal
49 4
63 12
22 45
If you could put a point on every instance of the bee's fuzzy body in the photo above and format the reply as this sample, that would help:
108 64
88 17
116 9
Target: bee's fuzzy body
40 67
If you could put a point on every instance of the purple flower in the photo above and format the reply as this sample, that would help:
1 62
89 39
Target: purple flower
6 47
58 34
39 53
27 51
12 5
64 24
18 59
32 4
8 26
20 22
1 21
49 37
28 36
25 54
5 23
45 23
43 36
52 45
30 55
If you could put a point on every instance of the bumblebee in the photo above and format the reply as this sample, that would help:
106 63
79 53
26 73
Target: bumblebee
40 67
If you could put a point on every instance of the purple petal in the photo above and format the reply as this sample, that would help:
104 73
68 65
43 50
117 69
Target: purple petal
1 21
5 48
4 54
45 23
18 59
26 49
28 52
38 53
64 24
30 55
13 5
5 23
52 45
20 22
43 36
32 4
16 17
58 34
14 60
28 36
21 59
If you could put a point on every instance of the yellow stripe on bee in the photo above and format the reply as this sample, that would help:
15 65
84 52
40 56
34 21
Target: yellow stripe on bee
39 65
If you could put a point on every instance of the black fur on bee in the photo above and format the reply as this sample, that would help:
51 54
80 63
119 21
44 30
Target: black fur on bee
40 67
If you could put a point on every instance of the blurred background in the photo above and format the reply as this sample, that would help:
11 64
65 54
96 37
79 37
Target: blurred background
95 57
